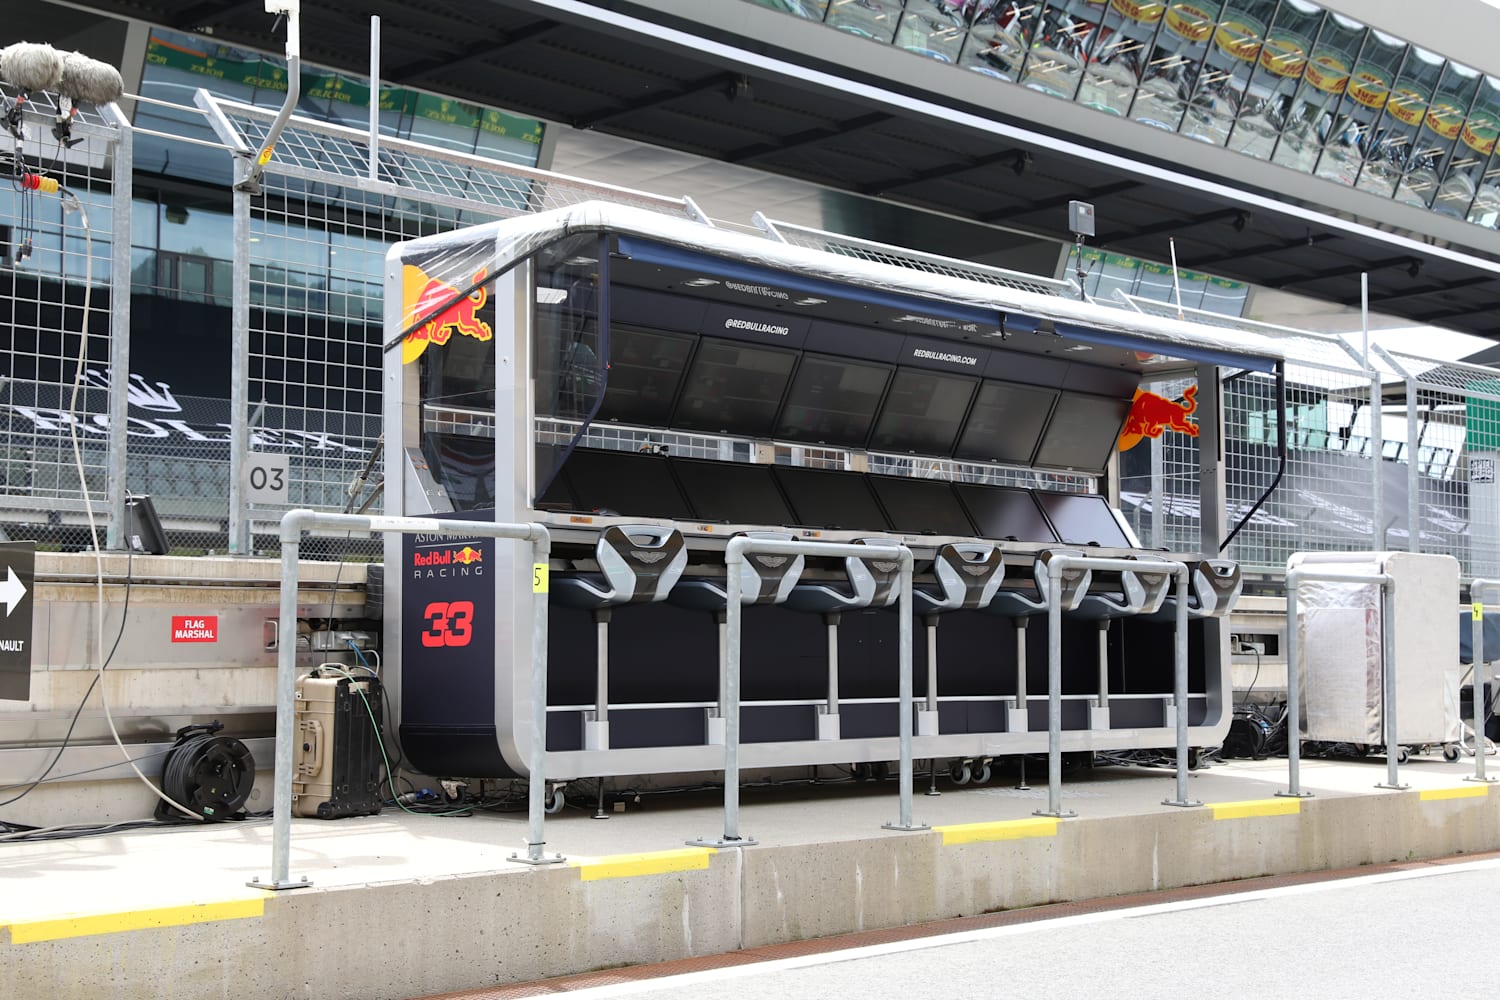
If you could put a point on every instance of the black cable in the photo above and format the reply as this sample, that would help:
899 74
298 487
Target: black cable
124 614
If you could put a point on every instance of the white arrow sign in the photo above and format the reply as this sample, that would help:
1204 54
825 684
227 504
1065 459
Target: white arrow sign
11 591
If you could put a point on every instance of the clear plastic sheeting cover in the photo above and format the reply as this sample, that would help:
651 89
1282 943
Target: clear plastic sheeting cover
516 239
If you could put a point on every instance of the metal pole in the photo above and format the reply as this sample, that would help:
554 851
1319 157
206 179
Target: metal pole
1476 596
239 376
1413 476
374 97
286 697
1180 689
1054 691
1388 674
293 524
1293 692
905 697
541 548
931 629
121 187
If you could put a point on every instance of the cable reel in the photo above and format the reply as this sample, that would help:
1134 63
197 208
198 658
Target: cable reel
211 775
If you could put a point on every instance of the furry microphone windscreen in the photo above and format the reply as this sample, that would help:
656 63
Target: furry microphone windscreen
30 66
89 80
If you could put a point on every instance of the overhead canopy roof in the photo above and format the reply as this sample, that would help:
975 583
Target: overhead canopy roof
768 94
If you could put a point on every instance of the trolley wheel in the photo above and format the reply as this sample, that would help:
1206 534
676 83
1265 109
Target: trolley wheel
1402 755
880 770
557 801
1195 758
982 776
859 771
1450 752
959 772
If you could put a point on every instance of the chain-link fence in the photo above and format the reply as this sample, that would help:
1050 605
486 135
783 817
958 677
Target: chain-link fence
64 306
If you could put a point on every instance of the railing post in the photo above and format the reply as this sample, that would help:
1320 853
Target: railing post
1054 689
906 699
1476 635
1180 689
1388 683
1293 692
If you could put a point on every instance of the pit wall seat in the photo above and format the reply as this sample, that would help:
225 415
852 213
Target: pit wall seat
867 583
765 578
966 576
638 564
1021 606
1137 592
1214 587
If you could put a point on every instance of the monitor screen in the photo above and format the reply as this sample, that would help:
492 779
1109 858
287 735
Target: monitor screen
1081 518
624 482
1083 432
1005 512
922 506
922 412
832 401
1006 423
732 491
734 388
645 367
828 499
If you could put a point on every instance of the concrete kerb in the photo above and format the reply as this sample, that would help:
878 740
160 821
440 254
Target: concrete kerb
420 936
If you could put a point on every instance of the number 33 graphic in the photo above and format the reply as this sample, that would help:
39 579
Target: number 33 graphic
448 624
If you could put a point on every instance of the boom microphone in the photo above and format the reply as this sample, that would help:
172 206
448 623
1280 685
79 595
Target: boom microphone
89 80
30 66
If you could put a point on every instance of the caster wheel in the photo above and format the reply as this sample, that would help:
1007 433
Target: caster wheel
880 771
556 802
1195 759
860 772
960 773
1450 753
1402 755
982 776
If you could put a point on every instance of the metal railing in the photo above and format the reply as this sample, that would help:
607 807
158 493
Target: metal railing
293 524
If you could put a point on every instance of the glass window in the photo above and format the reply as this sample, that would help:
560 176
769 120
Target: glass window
1278 63
932 28
1315 117
1437 139
1061 45
1352 133
1117 54
1389 149
874 19
1174 62
1483 171
1219 92
999 39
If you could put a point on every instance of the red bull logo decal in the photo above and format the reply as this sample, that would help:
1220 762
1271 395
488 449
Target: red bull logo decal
443 563
1152 415
422 294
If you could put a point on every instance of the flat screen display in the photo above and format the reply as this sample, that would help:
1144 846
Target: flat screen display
1082 518
645 368
922 506
732 492
827 499
1005 423
1005 512
922 412
624 482
832 401
1082 432
734 388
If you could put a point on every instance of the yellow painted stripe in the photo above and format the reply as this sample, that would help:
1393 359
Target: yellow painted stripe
1463 792
1011 829
683 859
26 932
1256 807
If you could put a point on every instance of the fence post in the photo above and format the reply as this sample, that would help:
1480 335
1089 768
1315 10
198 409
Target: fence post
1476 624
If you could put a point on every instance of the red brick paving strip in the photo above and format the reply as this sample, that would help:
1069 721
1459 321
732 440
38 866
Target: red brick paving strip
936 928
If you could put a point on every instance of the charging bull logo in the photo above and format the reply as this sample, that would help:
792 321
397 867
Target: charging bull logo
422 294
465 556
1151 415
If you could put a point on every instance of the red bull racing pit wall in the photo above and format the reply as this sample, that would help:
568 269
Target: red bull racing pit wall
649 388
